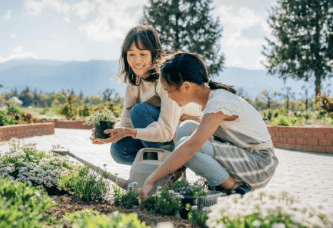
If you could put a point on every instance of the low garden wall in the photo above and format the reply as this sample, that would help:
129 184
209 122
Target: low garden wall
305 138
25 130
74 124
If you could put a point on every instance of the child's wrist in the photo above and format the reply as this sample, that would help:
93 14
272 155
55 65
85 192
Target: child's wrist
132 132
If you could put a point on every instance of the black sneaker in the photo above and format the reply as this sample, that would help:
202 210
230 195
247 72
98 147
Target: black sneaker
240 189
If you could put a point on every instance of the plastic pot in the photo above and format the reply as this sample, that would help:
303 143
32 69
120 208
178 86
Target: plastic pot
101 126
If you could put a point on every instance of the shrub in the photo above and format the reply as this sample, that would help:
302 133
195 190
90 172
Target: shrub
163 202
267 209
70 111
186 189
281 121
23 206
123 198
83 183
24 163
90 218
196 217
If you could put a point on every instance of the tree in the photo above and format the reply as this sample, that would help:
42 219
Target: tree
267 97
303 44
187 25
107 94
287 95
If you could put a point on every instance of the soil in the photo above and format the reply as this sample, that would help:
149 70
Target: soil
72 203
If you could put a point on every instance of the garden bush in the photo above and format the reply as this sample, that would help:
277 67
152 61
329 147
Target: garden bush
196 217
84 183
262 208
24 163
127 199
164 202
91 218
22 205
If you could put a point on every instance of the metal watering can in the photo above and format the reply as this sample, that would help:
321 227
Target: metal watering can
146 161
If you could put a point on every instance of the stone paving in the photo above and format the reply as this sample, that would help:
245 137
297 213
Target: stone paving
308 175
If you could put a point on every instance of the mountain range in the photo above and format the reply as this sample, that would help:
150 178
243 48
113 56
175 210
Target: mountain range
93 77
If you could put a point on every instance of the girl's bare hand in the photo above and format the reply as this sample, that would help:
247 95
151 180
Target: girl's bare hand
93 137
145 191
115 135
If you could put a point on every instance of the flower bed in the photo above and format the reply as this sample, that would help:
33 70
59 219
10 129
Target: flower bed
86 201
25 130
306 138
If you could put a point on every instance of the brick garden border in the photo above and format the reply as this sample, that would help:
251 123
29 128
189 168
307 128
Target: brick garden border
73 124
306 138
25 130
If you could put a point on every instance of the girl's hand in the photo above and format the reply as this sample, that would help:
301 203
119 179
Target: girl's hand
115 135
145 191
93 137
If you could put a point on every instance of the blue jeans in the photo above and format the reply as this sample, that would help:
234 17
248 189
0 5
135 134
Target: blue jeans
203 163
125 150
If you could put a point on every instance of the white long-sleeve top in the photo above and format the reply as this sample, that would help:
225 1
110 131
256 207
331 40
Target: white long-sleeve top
164 128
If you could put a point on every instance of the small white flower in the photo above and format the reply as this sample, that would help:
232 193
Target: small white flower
278 225
256 223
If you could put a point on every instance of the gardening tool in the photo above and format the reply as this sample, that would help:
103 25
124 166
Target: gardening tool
146 161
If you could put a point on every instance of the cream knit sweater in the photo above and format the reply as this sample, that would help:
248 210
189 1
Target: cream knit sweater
164 128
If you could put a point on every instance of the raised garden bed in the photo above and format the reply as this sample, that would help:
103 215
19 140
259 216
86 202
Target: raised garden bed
25 130
306 138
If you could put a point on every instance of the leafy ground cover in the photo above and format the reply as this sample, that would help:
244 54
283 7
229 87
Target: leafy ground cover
28 179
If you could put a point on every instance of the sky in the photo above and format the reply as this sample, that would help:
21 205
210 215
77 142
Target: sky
83 30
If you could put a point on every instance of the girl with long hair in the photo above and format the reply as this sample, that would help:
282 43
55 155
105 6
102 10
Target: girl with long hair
149 117
231 147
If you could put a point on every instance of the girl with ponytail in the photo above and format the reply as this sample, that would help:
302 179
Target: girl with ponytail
231 147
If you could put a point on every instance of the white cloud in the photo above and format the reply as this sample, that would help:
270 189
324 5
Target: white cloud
113 21
260 61
67 20
36 7
13 36
239 22
83 9
18 53
8 15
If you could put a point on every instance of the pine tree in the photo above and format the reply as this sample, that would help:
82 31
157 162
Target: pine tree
302 47
187 25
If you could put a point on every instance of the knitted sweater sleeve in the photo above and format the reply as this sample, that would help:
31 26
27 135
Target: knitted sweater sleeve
131 98
164 128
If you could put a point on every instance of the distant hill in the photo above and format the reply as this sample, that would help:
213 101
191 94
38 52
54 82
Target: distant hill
93 77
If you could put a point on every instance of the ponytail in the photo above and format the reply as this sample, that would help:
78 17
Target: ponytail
218 85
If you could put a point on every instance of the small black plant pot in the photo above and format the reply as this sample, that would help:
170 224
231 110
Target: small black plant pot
100 127
183 211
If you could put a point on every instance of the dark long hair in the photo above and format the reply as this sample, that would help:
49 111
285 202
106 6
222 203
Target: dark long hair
148 39
186 66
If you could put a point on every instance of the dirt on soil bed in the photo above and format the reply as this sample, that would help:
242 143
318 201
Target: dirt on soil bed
72 203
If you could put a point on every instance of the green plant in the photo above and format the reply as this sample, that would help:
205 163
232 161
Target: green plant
23 206
123 198
281 121
85 184
294 120
330 122
91 218
262 208
24 163
186 189
197 217
163 202
104 115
